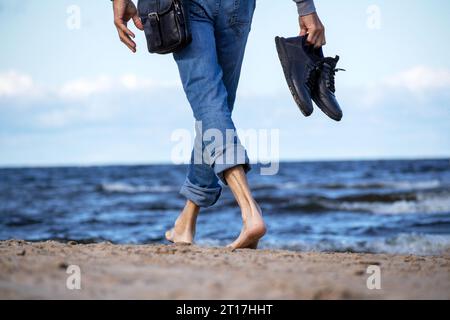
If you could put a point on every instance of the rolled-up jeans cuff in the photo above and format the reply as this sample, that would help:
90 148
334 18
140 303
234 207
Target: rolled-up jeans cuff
230 156
203 197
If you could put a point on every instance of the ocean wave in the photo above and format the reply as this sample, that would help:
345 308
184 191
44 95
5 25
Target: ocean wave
305 207
422 204
412 244
382 191
119 187
377 203
397 185
414 185
379 197
400 244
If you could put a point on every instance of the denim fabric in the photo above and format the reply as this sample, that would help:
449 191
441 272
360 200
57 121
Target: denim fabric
210 69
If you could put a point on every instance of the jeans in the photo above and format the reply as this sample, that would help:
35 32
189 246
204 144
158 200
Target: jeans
210 69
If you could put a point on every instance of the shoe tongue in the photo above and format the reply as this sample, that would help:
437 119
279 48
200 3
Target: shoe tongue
332 62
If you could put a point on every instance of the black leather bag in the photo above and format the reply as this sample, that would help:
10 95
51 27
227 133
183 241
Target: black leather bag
166 25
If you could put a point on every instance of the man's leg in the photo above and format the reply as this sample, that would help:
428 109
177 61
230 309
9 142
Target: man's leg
231 40
216 89
201 187
253 227
202 80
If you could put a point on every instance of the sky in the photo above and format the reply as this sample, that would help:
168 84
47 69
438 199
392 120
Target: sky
74 95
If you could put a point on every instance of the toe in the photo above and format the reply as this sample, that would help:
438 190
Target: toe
169 235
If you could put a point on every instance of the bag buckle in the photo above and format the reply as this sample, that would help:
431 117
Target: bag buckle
154 15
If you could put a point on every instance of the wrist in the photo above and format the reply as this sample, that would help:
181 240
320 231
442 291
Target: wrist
305 7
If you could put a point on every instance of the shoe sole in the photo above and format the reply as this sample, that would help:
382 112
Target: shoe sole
326 111
282 53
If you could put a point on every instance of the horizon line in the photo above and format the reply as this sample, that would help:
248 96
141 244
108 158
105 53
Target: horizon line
164 163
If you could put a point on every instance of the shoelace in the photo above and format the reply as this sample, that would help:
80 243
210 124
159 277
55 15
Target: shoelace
312 75
328 68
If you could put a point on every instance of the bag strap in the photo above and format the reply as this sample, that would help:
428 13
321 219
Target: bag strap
154 23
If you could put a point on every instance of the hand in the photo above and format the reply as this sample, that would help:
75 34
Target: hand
313 27
124 10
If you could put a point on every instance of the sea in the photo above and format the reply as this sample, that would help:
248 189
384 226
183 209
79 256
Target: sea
386 206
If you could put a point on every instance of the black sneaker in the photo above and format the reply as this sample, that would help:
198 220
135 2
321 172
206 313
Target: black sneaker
324 90
299 70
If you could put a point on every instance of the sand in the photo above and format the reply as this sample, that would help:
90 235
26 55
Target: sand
108 271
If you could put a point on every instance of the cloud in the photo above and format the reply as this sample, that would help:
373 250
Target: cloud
16 84
82 113
13 84
100 100
83 88
419 89
133 82
390 122
420 79
87 87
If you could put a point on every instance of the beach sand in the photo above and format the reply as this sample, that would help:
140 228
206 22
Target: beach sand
108 271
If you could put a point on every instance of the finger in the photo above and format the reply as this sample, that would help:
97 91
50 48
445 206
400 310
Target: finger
324 40
133 49
312 37
303 29
137 22
127 41
320 41
303 32
123 27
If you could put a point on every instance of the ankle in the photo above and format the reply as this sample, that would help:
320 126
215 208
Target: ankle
184 225
188 216
250 210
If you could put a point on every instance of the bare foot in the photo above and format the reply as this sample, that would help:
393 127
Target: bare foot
254 229
184 237
184 230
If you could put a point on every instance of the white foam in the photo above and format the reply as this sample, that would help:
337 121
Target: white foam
400 185
400 244
414 185
413 244
423 204
128 188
